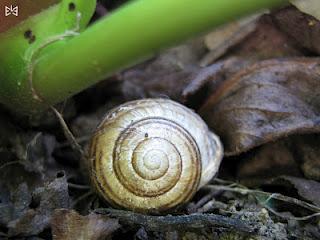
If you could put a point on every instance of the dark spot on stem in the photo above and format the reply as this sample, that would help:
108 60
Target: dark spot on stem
146 135
29 36
72 6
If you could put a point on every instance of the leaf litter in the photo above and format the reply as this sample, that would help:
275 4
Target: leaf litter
259 92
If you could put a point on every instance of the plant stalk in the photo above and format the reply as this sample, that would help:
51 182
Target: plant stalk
135 32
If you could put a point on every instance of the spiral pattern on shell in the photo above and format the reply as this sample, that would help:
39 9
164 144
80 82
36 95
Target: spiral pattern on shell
148 155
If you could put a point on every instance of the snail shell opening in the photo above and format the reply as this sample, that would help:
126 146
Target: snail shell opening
152 155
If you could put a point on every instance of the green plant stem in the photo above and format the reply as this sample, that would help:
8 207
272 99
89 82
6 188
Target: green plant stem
22 46
129 35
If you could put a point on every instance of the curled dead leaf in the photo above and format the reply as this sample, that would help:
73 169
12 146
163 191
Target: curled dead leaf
301 27
311 7
264 102
164 76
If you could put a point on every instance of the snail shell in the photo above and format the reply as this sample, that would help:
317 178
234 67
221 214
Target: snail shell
152 155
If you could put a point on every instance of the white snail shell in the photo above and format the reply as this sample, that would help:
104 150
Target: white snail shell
152 155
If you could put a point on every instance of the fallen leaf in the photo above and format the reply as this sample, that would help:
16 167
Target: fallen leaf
16 186
290 156
216 38
311 7
307 151
302 28
44 201
266 162
222 39
68 225
13 205
265 42
264 102
307 189
39 154
164 76
208 79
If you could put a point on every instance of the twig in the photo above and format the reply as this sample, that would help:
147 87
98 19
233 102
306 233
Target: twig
81 139
9 164
292 218
79 199
169 222
68 134
78 186
270 196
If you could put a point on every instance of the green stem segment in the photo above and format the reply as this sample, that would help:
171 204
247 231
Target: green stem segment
131 34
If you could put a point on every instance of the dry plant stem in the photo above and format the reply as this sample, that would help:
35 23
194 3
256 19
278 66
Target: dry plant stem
291 218
68 134
9 164
270 196
76 147
181 222
203 203
209 206
82 197
78 186
81 139
205 199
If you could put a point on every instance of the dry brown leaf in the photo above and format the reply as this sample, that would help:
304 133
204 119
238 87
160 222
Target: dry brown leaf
260 40
164 76
222 39
265 102
307 189
68 225
269 161
208 79
311 7
266 42
291 156
301 27
307 150
36 216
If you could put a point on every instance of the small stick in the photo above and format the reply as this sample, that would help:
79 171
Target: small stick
82 197
276 196
68 134
78 186
169 222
